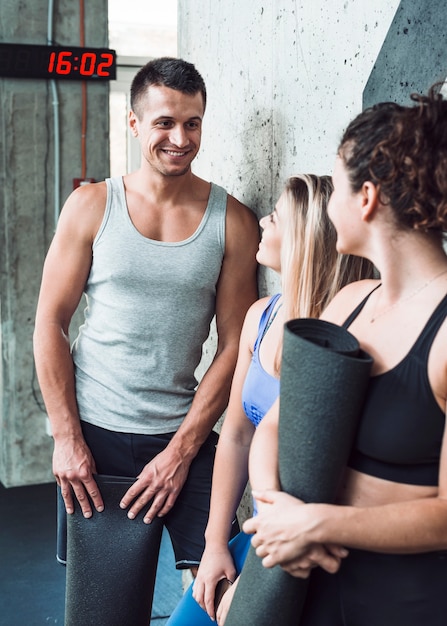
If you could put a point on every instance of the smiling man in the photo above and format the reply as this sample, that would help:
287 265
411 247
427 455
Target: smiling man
157 253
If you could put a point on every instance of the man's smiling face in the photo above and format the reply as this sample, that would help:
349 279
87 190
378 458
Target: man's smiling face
168 124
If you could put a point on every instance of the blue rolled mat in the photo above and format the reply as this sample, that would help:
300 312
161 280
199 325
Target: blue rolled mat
111 562
324 378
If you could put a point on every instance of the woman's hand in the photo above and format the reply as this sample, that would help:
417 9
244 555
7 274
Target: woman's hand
284 533
216 564
328 557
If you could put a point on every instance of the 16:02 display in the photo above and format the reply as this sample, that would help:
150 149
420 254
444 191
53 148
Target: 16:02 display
86 64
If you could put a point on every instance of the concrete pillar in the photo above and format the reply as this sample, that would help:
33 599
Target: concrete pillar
27 196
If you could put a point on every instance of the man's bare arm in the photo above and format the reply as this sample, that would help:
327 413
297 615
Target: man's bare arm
64 275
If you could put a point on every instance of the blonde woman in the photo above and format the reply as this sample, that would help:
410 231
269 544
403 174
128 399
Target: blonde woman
298 242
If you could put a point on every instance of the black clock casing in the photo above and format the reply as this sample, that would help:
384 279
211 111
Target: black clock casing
56 62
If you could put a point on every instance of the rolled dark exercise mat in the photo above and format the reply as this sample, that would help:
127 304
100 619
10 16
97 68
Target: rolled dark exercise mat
324 378
61 544
111 562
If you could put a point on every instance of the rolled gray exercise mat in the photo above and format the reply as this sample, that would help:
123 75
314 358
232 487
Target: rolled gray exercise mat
111 562
324 378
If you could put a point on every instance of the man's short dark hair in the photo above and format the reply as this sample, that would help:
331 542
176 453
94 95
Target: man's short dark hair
168 72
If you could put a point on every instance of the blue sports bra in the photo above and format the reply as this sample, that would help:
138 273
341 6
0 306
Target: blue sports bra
401 429
260 389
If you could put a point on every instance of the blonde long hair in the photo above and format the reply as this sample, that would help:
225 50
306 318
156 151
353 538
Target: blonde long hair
312 271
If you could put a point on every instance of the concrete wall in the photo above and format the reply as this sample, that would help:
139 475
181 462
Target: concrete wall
27 197
284 78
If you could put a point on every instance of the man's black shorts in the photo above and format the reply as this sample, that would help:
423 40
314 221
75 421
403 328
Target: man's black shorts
124 454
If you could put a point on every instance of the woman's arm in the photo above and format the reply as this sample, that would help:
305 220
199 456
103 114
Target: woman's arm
264 479
289 529
286 529
65 272
230 474
263 458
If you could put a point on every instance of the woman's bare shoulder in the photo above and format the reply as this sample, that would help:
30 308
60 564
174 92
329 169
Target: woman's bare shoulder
252 319
347 299
255 311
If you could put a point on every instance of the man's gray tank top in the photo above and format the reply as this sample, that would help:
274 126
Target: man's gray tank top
149 308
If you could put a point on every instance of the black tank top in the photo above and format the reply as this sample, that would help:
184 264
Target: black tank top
401 428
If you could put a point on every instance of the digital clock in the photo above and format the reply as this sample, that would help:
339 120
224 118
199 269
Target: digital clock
56 62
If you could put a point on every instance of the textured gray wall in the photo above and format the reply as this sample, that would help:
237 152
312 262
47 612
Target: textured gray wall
27 203
413 55
284 77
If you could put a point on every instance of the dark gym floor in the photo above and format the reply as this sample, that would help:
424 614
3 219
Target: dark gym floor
32 582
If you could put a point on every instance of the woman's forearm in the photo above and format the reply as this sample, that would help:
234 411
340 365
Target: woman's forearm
230 477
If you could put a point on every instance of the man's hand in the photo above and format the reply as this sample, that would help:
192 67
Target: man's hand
159 484
73 467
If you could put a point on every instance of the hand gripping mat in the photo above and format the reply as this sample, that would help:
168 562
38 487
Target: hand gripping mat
324 377
111 562
188 612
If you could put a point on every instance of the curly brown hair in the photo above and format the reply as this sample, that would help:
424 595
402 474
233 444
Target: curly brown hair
403 150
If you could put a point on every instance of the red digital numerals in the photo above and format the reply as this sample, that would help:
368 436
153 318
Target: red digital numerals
65 63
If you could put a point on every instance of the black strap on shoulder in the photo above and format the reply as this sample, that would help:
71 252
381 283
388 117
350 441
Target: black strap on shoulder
358 308
430 330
